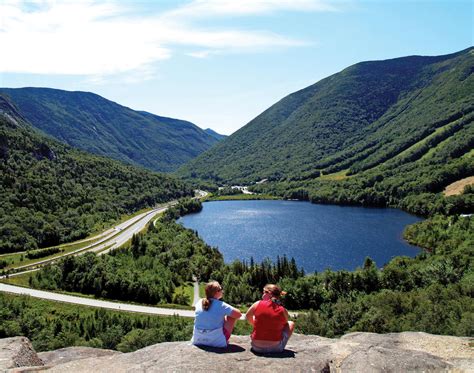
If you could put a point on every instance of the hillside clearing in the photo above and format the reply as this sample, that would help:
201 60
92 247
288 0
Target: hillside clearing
458 186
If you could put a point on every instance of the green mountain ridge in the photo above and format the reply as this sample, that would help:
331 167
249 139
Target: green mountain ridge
352 121
92 123
51 193
213 133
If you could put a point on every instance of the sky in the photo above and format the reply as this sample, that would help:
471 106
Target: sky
216 63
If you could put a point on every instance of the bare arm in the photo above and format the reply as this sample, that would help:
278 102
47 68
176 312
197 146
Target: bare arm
250 313
286 315
236 314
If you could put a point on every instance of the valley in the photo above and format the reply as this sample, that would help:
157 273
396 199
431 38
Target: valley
396 133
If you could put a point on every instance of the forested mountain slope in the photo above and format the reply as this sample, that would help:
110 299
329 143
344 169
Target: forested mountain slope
52 193
374 113
92 123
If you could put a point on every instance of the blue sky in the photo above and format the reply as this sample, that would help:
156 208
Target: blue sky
217 63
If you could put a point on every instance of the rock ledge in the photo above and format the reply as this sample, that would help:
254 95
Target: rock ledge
355 352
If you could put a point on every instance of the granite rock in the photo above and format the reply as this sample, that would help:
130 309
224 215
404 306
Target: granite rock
355 352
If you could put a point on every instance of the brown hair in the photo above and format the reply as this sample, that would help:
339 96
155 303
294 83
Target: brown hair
211 289
274 290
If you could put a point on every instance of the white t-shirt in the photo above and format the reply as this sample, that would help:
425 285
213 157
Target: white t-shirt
208 324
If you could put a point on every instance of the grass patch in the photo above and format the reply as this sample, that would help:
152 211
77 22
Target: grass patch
427 138
186 290
469 154
202 291
20 280
341 175
17 260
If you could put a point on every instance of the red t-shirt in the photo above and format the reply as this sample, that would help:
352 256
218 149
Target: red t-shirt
270 319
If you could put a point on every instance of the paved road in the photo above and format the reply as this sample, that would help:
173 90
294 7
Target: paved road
97 246
94 302
122 232
127 234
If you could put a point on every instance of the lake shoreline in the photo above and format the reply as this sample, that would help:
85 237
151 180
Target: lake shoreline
244 232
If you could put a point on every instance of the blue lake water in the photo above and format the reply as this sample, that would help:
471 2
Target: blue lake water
317 236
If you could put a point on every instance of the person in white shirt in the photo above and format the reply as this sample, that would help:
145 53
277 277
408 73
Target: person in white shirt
214 319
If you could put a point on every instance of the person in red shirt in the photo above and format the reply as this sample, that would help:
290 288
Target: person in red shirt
271 328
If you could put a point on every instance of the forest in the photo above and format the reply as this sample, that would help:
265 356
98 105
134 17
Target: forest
99 126
146 271
51 325
376 114
406 294
51 193
409 139
415 187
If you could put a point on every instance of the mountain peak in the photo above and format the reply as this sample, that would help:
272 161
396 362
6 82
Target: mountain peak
214 134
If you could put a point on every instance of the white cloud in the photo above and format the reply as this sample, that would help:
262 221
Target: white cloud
74 38
105 38
200 54
211 8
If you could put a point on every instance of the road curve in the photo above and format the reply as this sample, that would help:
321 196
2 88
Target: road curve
94 302
125 229
129 230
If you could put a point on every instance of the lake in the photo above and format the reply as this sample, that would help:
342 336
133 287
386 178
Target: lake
317 236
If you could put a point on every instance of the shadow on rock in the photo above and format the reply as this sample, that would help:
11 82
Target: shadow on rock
230 349
279 355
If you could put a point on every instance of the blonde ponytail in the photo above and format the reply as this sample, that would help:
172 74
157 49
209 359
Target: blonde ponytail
206 303
211 289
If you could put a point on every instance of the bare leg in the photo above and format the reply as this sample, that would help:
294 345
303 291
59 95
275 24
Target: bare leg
229 324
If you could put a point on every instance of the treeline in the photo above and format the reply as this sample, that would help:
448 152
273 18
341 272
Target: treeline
184 207
147 272
51 325
51 193
414 187
227 191
431 292
35 254
244 281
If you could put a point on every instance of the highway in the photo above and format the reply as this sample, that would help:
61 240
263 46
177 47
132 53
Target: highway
110 239
121 233
126 229
94 302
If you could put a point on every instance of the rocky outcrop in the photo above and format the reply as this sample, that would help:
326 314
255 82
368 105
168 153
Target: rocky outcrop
17 352
65 355
355 352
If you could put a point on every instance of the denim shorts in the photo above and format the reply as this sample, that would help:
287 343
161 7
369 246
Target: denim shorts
277 348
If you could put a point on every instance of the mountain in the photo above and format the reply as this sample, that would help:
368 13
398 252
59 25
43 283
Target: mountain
385 133
97 125
366 115
52 193
214 134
